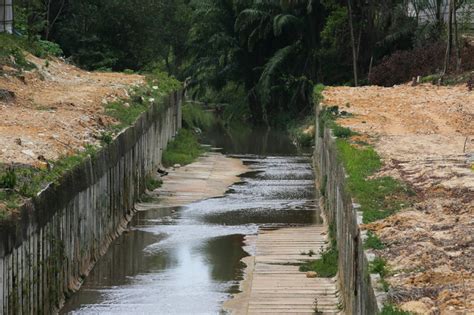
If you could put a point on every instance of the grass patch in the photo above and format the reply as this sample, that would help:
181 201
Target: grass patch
184 149
196 117
21 183
379 265
153 183
378 197
326 266
373 241
390 309
13 48
126 112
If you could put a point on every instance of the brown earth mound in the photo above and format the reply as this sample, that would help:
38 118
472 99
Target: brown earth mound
56 109
425 135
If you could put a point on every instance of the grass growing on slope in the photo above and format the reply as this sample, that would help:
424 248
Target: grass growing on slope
141 98
379 197
23 182
184 149
390 309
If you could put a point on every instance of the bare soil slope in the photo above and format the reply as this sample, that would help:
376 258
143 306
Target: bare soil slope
57 109
425 135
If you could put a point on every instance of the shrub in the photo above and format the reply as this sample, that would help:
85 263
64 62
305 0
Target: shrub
9 179
195 116
402 66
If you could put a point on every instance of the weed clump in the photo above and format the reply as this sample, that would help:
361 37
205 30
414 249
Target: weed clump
373 241
326 266
153 183
184 149
390 309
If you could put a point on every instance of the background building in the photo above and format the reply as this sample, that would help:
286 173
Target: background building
6 16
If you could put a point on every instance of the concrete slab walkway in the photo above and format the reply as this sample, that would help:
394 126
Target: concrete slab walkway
274 284
209 176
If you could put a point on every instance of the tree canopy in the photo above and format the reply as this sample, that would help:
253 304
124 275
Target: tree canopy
270 52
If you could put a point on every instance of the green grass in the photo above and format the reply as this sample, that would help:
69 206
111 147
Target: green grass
127 111
196 117
153 183
13 49
12 52
379 265
30 181
373 241
390 309
378 197
184 149
326 266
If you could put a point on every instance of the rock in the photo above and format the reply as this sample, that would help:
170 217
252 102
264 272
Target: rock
311 274
177 165
6 96
29 153
18 141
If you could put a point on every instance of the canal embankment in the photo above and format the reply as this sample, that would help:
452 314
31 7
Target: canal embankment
52 244
396 176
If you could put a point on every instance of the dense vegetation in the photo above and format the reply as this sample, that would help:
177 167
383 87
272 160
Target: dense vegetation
261 56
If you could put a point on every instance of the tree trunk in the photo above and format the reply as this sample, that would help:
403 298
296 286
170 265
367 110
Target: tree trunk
354 48
450 37
456 39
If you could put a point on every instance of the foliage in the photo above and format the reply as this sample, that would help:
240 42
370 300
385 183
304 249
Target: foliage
326 266
44 48
379 197
379 265
152 183
373 241
8 180
126 111
184 149
12 52
390 309
196 117
402 66
28 181
342 132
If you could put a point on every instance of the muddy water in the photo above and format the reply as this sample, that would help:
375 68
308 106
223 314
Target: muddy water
186 260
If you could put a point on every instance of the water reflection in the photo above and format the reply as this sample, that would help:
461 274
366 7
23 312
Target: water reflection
187 260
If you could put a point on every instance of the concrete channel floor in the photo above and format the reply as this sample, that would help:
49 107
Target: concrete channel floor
274 284
209 176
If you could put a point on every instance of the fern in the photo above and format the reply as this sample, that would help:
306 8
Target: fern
283 21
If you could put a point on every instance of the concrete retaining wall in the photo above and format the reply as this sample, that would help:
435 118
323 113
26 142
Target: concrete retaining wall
45 254
355 282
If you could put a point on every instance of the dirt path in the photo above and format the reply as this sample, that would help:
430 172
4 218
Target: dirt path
425 135
58 108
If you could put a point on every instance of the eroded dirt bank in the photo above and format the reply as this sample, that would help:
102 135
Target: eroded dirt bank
425 135
57 109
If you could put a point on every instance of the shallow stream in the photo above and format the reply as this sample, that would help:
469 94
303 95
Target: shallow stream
186 260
